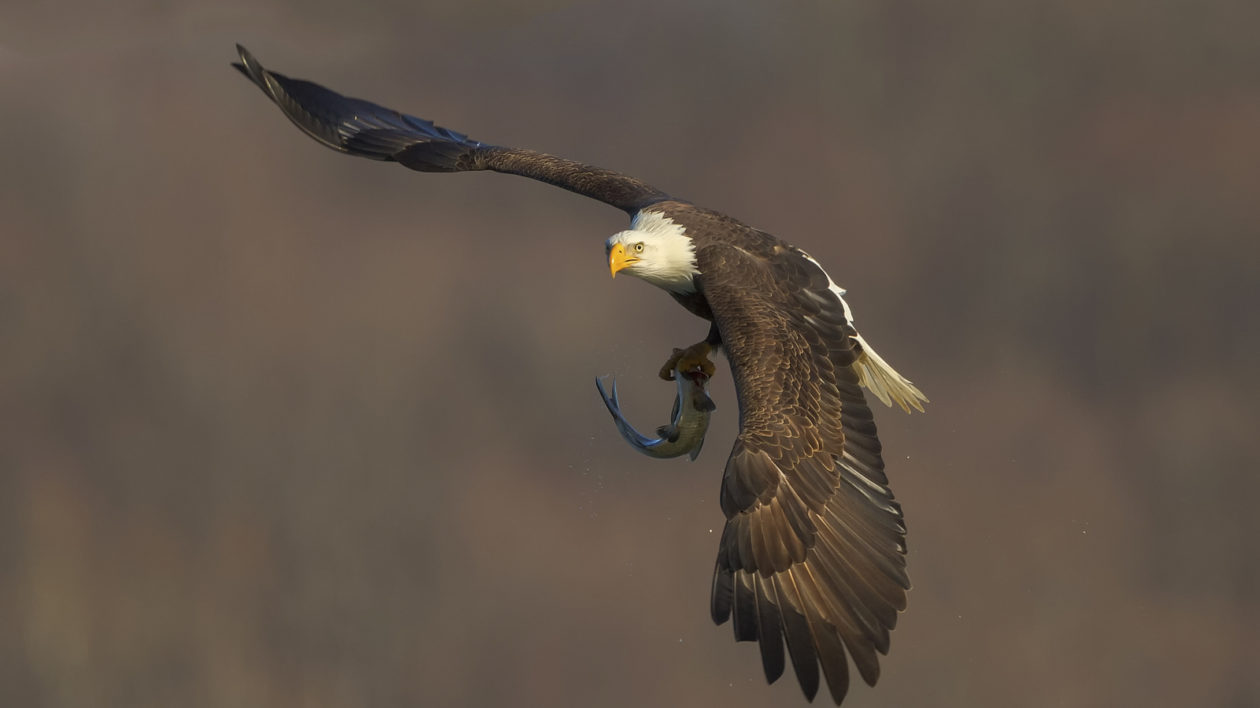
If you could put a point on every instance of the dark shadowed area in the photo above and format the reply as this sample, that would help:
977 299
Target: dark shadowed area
280 427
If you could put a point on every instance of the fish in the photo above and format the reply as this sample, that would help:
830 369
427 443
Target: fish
688 424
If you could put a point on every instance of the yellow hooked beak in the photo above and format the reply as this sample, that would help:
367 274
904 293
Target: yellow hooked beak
619 259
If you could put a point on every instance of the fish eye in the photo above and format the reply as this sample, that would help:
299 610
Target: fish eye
638 247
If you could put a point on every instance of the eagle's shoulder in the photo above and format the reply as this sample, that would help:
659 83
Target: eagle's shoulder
726 247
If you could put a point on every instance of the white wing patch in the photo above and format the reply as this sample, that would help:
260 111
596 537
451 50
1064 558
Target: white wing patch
875 374
831 285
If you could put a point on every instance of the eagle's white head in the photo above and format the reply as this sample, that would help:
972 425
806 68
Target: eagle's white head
657 250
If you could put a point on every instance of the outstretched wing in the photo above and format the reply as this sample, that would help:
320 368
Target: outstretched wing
362 128
813 551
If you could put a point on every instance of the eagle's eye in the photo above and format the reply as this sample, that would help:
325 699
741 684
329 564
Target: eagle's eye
638 247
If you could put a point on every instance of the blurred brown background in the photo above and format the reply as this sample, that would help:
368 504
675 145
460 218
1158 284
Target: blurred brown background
284 428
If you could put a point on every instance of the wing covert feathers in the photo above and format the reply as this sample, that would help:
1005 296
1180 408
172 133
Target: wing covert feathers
812 557
365 129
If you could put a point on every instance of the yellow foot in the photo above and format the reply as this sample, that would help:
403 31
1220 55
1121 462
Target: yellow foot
692 358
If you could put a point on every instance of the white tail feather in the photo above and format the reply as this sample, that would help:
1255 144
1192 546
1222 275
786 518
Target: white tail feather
882 380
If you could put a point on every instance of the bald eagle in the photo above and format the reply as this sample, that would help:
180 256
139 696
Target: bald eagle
813 551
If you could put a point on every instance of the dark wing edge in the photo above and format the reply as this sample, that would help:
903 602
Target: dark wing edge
813 551
365 129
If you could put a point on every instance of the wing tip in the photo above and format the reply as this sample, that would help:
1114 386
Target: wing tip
721 594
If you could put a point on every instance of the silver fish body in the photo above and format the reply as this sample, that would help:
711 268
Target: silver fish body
689 421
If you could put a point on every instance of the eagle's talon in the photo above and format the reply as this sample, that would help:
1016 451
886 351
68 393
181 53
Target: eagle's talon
693 358
667 370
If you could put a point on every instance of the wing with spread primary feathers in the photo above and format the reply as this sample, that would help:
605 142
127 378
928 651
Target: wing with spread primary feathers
813 552
362 128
